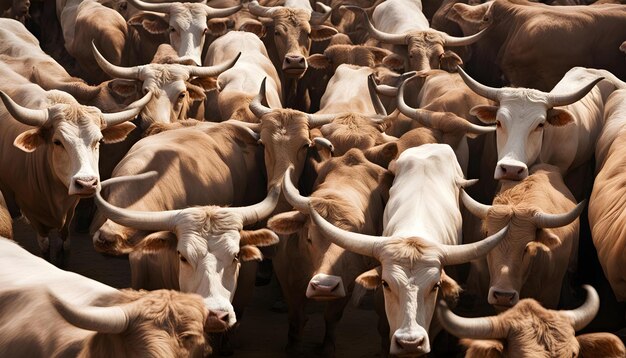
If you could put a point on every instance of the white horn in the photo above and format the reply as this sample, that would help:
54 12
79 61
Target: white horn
475 328
261 11
31 117
394 39
549 221
555 100
254 213
462 41
292 195
128 114
131 73
212 12
378 105
318 120
141 5
479 210
256 106
212 71
583 315
459 254
111 320
480 89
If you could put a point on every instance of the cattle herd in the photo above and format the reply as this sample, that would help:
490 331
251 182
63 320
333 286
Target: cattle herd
463 165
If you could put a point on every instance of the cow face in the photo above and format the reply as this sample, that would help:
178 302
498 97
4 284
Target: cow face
425 50
354 131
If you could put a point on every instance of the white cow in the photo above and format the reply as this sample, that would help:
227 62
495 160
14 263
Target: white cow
421 234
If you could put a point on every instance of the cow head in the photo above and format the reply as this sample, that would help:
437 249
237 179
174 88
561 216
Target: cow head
185 22
152 323
521 116
526 330
293 31
411 275
360 55
425 49
174 87
527 248
210 242
71 134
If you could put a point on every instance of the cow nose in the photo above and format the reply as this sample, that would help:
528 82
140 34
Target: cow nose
416 345
84 186
294 59
502 297
511 171
294 64
325 287
216 321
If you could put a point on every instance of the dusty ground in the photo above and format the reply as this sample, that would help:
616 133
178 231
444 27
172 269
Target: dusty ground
262 333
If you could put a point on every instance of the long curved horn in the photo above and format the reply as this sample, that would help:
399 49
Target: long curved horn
401 104
261 11
318 120
462 41
480 210
324 143
583 315
30 117
378 105
141 5
254 213
318 18
128 114
480 89
142 220
212 12
301 203
394 39
212 71
459 254
358 243
256 106
141 102
549 221
555 100
131 73
462 327
112 320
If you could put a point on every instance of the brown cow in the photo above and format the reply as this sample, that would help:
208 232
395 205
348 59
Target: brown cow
6 223
529 330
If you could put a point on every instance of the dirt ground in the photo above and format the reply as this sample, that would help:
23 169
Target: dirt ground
262 333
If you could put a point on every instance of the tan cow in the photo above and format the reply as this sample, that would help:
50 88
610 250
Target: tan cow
529 330
542 244
351 193
51 143
6 223
49 312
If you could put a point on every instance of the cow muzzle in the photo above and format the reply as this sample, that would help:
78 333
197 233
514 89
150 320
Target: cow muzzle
502 298
294 65
404 344
511 170
83 186
217 321
325 287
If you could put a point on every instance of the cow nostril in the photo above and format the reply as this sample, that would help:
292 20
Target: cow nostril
302 60
86 183
520 170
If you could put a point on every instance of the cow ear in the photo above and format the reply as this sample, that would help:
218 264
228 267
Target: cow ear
255 27
29 140
158 241
196 93
218 27
486 114
249 253
318 61
600 345
322 32
548 238
483 348
153 23
393 61
382 154
450 290
370 279
287 223
117 133
449 61
261 238
379 53
559 117
124 88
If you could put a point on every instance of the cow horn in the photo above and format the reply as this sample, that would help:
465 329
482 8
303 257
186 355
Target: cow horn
256 106
549 221
461 41
555 100
111 320
478 209
459 254
318 120
583 315
405 108
394 39
318 18
259 10
130 73
212 71
292 195
358 243
212 12
254 213
324 143
128 114
31 117
141 5
378 105
480 89
142 220
386 90
462 327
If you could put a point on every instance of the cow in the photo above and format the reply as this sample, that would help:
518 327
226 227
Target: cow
186 24
531 128
80 317
17 10
530 330
51 142
418 47
419 238
6 223
606 203
237 86
533 258
523 45
351 193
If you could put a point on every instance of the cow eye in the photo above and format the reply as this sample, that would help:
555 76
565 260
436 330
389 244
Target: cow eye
236 258
57 142
181 257
172 29
540 125
277 33
181 96
385 284
205 30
